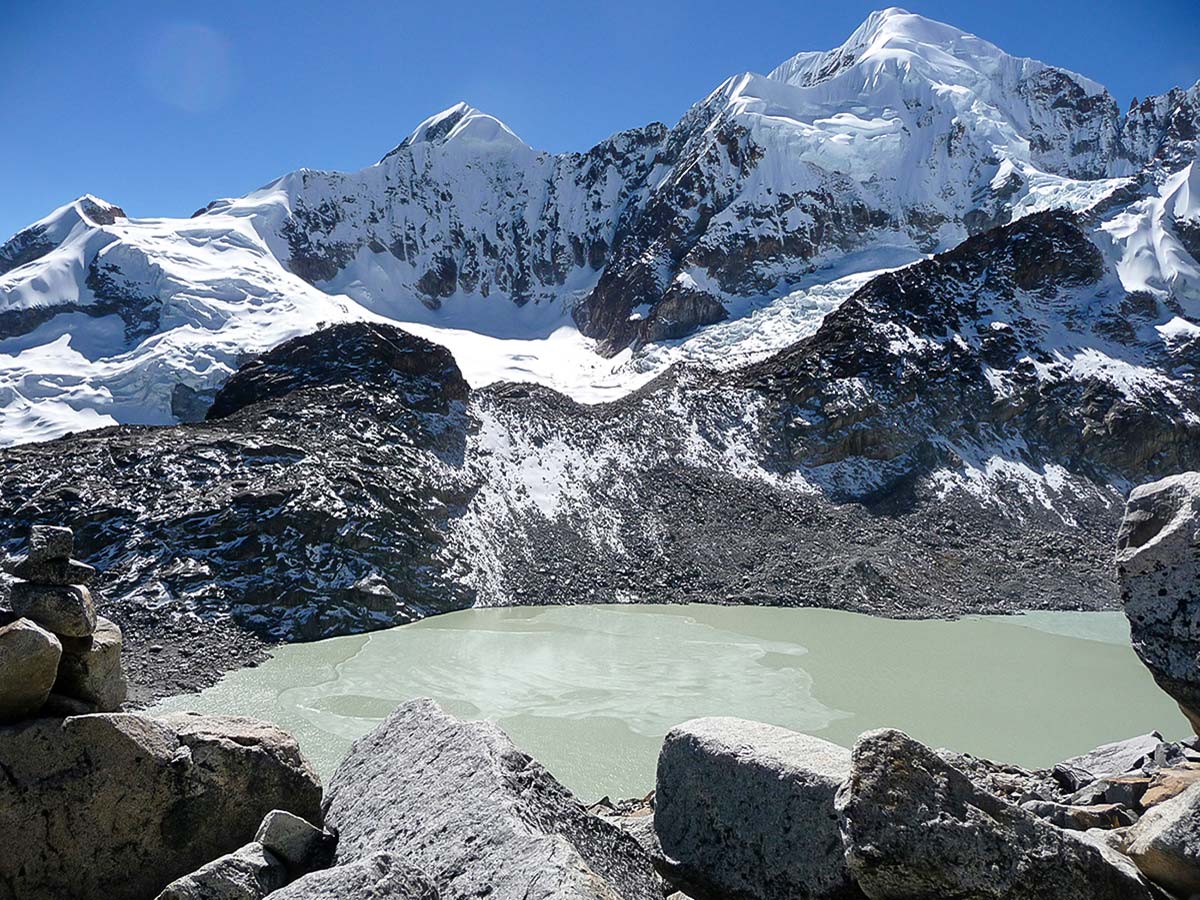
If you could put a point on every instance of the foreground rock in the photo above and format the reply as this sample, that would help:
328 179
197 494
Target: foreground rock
1158 564
1165 843
459 801
380 876
248 873
116 806
29 658
913 826
745 809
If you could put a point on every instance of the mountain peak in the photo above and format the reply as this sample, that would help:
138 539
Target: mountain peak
894 39
462 123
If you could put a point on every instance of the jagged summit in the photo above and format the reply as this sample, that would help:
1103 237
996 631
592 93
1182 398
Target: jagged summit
464 124
907 41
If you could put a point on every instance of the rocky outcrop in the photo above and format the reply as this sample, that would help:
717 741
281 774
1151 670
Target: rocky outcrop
368 355
1158 564
459 801
115 806
29 657
914 826
1165 843
744 809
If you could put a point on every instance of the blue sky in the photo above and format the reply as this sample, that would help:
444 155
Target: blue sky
160 107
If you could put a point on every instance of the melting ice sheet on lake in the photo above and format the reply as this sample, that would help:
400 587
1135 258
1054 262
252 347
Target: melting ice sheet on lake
591 690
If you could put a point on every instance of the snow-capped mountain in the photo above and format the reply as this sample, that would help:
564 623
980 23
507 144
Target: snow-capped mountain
905 140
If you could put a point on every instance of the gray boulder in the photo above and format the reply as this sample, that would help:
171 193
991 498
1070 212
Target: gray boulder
50 542
116 806
1165 843
90 669
1108 760
302 846
29 658
379 876
248 873
458 800
913 826
744 809
1158 565
66 610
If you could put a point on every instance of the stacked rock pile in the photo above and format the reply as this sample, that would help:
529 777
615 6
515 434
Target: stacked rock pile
57 657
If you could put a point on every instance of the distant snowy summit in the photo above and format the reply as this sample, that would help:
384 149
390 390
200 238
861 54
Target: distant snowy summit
904 141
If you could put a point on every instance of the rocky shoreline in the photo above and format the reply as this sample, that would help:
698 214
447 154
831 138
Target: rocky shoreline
429 807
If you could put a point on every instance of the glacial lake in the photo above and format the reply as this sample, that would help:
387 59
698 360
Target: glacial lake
591 690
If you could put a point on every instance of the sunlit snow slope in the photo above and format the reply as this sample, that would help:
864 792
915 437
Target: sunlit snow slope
719 241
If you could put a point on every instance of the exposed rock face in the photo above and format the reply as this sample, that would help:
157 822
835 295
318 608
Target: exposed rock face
378 876
1165 129
248 873
914 826
115 806
479 816
1158 564
1165 843
90 669
744 809
29 657
371 356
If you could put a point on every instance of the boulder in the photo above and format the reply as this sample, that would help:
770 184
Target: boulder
1165 843
1108 760
248 873
302 846
90 669
379 876
1172 782
1158 566
1126 790
458 800
53 571
66 610
744 809
29 658
915 826
50 542
116 806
